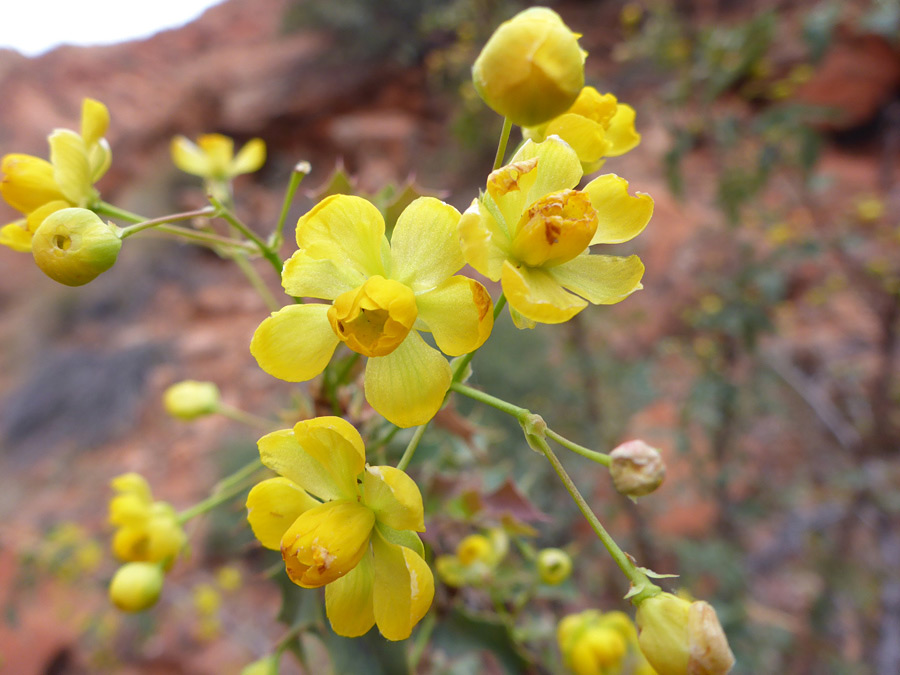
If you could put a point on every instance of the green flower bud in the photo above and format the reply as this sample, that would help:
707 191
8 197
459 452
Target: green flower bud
636 468
682 638
73 246
531 69
136 586
264 666
554 566
190 399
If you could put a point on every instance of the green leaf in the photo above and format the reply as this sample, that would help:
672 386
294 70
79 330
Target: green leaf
370 654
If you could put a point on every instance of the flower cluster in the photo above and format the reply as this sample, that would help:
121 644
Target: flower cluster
147 530
595 643
475 559
343 524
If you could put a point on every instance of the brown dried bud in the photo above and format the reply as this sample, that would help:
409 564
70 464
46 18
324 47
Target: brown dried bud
636 468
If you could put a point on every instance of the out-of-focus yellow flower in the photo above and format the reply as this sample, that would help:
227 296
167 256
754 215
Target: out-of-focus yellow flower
73 246
207 600
554 565
869 209
147 531
596 126
594 643
264 666
532 231
190 399
229 578
474 561
37 188
531 68
213 158
680 637
382 295
359 541
136 586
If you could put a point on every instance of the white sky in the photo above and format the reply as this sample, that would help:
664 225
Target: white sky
35 26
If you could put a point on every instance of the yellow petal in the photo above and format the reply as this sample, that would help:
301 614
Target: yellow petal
394 497
622 217
459 313
587 137
306 277
36 217
189 158
537 296
404 588
425 244
16 236
484 244
28 182
295 343
601 279
219 151
507 192
593 105
408 386
326 542
558 167
346 230
621 134
94 121
348 600
99 159
71 169
281 452
272 507
250 158
336 445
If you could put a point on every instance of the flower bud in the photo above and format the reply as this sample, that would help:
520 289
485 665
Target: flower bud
531 69
136 586
264 666
636 468
190 399
682 638
554 566
73 246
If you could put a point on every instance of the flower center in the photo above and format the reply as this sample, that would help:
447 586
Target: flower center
555 229
376 317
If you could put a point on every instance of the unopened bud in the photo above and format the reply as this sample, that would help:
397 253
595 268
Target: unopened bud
190 399
554 566
636 468
531 69
73 246
136 586
682 638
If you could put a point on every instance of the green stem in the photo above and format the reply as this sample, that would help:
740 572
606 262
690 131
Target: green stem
236 223
174 218
204 238
244 417
421 641
411 448
638 579
301 171
592 455
256 281
227 489
501 147
106 209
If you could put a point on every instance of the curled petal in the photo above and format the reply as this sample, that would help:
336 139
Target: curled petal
558 167
250 158
295 343
601 279
425 245
16 236
408 385
484 243
280 451
94 121
621 132
71 168
336 445
587 137
272 507
537 296
459 314
622 217
394 497
28 182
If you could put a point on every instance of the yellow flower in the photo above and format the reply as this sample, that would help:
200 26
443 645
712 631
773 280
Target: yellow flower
147 531
213 158
594 643
136 586
554 565
474 561
596 126
189 399
531 69
383 294
37 188
359 541
680 637
531 231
